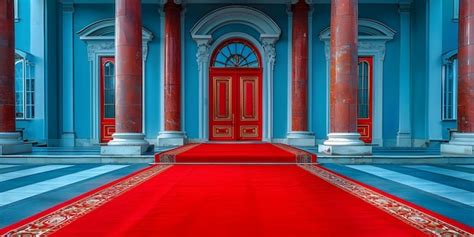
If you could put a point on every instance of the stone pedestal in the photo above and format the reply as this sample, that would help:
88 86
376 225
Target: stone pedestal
11 143
171 138
126 144
404 140
344 144
301 139
460 144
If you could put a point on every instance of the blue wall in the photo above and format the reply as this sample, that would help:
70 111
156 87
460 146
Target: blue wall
86 14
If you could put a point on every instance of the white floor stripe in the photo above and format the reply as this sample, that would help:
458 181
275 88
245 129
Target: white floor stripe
6 166
467 166
31 171
445 191
444 171
31 190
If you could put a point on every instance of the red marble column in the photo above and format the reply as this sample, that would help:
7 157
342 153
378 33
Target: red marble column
172 88
299 90
128 70
466 67
7 70
344 66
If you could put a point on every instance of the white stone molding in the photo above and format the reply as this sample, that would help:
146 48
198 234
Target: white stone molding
99 37
373 37
11 143
269 35
460 144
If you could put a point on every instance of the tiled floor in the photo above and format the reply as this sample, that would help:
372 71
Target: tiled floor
444 189
29 189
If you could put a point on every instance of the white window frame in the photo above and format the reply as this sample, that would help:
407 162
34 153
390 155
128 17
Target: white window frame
455 10
26 65
450 62
17 12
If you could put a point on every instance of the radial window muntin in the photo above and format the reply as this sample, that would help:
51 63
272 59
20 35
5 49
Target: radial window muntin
236 53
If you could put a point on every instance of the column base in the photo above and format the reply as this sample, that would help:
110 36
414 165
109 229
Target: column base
171 138
404 140
68 140
460 144
344 144
301 138
126 144
10 143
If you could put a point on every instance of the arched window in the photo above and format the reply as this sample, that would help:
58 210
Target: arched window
236 54
24 86
109 90
363 90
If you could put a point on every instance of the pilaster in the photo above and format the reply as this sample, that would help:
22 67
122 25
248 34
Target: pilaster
68 133
404 119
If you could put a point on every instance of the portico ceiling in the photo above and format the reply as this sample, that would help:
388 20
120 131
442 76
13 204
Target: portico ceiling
240 1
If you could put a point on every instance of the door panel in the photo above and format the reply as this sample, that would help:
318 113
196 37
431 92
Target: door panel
107 98
222 91
235 99
222 114
248 98
364 99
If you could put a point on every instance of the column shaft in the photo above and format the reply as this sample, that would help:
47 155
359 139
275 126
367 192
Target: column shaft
466 67
7 70
172 88
299 89
343 66
128 70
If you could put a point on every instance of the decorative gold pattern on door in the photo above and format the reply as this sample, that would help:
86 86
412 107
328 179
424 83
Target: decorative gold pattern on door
249 98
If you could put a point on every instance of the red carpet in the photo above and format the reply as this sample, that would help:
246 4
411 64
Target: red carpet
236 153
235 200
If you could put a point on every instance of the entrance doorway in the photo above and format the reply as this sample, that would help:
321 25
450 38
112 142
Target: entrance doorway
235 92
364 98
107 98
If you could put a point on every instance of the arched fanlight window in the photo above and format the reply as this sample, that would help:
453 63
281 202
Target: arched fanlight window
24 86
236 54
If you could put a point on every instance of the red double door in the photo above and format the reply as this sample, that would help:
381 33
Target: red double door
235 111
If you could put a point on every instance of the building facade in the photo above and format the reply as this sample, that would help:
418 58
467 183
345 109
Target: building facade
236 71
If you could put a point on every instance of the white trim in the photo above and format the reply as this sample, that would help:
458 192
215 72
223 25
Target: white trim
183 71
269 34
16 10
99 46
290 68
310 70
162 70
367 46
236 14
